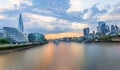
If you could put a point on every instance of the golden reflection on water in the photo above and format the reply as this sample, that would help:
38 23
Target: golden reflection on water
64 56
47 57
69 57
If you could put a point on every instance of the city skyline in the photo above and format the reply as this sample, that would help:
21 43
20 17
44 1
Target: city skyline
47 17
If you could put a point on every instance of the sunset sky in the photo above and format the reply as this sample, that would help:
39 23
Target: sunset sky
59 16
62 35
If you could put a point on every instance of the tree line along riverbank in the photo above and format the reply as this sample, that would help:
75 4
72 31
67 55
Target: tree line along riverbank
12 47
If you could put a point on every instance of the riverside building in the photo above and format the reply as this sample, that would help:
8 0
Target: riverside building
14 36
86 32
102 29
36 37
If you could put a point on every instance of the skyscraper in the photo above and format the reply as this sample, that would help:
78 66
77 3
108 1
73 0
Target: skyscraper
86 32
20 24
114 29
103 28
117 28
101 23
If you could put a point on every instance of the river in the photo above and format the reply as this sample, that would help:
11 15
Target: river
64 56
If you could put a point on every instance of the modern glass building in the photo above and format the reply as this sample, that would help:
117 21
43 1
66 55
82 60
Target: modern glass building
102 28
117 28
2 34
86 32
14 35
114 29
20 24
36 37
98 29
101 23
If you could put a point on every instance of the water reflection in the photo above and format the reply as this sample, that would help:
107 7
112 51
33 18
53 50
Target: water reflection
67 57
64 56
102 56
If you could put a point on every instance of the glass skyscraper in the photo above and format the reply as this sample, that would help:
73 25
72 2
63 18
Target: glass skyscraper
102 28
86 32
114 29
101 23
20 24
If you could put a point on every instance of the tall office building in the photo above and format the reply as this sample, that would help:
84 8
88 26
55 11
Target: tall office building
98 29
101 23
86 32
117 28
114 29
102 28
20 24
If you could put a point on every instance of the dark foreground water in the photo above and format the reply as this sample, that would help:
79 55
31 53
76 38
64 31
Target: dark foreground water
64 56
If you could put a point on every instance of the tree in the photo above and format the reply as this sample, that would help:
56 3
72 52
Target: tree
3 41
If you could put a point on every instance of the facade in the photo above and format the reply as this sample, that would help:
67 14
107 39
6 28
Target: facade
119 32
36 37
2 34
101 23
86 32
117 28
14 35
107 29
102 29
98 29
20 24
114 29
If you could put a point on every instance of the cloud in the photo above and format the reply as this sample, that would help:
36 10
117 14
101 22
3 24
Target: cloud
39 21
40 18
112 15
108 17
51 24
9 4
87 14
13 4
2 17
80 26
94 11
54 16
80 5
27 2
75 5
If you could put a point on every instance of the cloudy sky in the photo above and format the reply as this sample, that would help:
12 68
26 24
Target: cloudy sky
56 16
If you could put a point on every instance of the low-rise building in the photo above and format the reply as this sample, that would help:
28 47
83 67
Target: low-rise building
13 35
36 37
116 39
2 33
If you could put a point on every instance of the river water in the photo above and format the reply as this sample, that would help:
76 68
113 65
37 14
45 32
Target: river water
64 56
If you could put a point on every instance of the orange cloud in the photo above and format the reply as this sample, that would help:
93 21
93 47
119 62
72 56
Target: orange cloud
61 35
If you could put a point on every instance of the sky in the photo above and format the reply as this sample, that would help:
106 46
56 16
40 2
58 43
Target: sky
59 16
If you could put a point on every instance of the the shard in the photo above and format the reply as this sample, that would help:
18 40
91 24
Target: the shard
20 24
